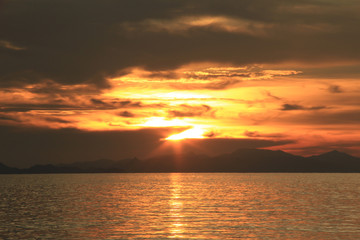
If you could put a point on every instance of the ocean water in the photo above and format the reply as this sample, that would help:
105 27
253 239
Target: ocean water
180 206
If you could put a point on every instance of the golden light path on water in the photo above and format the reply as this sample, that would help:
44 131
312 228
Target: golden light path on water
177 226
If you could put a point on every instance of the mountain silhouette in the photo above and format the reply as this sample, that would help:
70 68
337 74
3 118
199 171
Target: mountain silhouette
242 160
103 165
8 170
259 160
336 161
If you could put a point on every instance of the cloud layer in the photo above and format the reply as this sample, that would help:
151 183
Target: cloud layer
87 41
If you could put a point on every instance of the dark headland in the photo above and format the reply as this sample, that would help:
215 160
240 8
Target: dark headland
242 160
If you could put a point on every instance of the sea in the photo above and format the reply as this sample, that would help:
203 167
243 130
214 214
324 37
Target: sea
180 206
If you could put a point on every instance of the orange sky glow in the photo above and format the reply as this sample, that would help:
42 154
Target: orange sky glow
281 74
207 100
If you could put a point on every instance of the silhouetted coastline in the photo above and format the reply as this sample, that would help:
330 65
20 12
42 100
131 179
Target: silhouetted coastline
242 160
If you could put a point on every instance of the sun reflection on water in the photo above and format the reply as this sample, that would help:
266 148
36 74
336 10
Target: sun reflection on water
176 224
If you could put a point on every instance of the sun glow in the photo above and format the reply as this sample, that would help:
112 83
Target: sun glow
182 95
162 122
194 132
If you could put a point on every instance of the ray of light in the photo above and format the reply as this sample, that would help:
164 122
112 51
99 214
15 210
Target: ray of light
195 132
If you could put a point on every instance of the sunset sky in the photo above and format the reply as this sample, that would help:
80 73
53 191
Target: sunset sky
82 80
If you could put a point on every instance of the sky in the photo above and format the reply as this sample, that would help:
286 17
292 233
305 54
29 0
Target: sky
83 80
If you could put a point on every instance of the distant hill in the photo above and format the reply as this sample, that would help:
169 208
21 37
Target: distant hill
336 161
103 165
242 160
8 170
49 168
260 160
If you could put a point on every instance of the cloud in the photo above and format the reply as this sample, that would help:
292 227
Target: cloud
97 101
269 94
221 85
93 104
128 103
188 23
292 107
338 117
28 146
258 119
251 72
88 45
11 46
8 118
215 146
335 89
337 70
43 146
126 114
57 120
185 110
210 134
49 88
256 134
23 107
199 76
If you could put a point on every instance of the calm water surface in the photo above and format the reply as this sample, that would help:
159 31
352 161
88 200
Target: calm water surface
180 205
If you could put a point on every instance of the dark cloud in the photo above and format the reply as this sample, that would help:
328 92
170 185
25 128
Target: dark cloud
220 85
269 94
94 104
97 101
11 46
291 107
185 110
81 41
162 75
212 78
329 118
210 134
215 146
27 146
335 71
9 118
23 107
126 114
51 89
335 89
237 73
128 103
56 120
316 108
213 73
256 134
210 85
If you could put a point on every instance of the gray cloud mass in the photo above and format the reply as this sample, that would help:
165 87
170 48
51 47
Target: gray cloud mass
292 107
73 42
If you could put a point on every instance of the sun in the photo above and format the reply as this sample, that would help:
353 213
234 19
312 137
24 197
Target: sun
194 132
